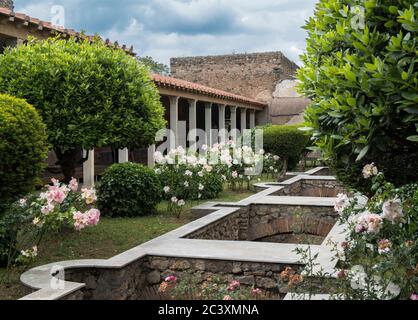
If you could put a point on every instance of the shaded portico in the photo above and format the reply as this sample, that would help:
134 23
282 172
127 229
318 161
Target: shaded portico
189 106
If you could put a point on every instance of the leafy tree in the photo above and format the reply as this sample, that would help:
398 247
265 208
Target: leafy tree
154 66
88 94
360 70
23 149
286 141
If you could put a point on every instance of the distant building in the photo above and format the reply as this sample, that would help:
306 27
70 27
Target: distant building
268 77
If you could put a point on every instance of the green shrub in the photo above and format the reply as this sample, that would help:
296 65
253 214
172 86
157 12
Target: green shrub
186 187
88 94
288 142
128 190
23 148
361 72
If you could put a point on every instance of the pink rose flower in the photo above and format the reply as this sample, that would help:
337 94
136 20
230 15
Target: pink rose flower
73 185
80 221
47 209
227 298
93 217
171 279
256 292
369 222
414 297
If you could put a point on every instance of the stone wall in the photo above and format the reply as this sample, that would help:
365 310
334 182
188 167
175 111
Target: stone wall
261 221
312 188
266 220
253 75
233 228
140 280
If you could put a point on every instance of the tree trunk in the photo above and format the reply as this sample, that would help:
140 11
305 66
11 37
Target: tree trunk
284 170
68 162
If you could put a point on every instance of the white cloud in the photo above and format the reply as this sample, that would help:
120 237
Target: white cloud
169 28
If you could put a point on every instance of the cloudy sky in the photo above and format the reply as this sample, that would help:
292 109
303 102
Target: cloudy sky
178 28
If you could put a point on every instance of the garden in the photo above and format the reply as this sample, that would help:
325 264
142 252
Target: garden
69 95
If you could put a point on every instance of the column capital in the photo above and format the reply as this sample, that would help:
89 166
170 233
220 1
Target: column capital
173 99
208 104
192 101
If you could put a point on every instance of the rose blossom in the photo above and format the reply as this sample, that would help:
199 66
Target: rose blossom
89 195
341 203
56 194
369 222
174 200
201 187
47 209
188 173
414 297
80 220
392 210
181 203
369 171
22 202
256 292
166 189
93 217
384 246
170 279
227 298
73 185
234 174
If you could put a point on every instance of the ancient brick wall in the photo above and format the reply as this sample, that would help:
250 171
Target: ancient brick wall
253 75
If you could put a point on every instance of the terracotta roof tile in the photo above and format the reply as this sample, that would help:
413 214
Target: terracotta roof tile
170 82
47 25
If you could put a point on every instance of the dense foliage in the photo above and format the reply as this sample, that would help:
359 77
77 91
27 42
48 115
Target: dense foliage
23 148
88 95
288 142
128 190
361 72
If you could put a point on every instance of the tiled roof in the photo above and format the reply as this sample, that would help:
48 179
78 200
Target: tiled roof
182 85
44 25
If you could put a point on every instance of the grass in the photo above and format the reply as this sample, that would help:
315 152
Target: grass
109 238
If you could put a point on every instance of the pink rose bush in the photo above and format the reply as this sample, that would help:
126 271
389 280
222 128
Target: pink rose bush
382 238
56 207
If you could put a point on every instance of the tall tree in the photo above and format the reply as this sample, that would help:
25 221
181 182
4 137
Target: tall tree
88 94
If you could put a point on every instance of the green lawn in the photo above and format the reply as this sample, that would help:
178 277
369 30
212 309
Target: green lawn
109 238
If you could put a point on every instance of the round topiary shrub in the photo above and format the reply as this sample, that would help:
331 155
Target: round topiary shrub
128 190
23 149
286 141
361 73
88 94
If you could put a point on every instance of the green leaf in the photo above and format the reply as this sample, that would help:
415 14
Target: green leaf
363 153
413 138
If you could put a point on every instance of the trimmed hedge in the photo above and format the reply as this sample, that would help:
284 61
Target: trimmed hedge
23 149
128 190
286 141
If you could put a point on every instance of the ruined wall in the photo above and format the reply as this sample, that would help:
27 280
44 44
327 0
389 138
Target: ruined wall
253 75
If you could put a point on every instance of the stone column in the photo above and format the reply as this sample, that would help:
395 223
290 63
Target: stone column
222 125
192 122
174 118
233 123
88 170
243 120
208 123
252 119
123 155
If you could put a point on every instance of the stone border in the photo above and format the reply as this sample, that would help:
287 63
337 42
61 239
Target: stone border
174 244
